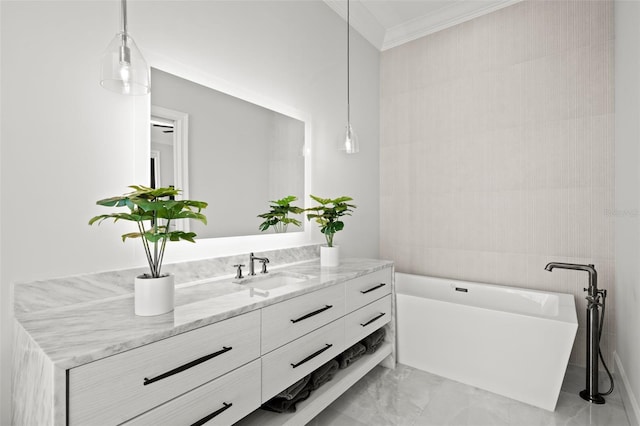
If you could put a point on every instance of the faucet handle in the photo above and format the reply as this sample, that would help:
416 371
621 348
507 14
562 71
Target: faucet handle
239 271
264 266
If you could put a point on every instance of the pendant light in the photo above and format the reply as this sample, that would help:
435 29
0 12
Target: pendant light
350 144
124 70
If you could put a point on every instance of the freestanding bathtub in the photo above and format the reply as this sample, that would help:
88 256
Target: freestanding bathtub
511 341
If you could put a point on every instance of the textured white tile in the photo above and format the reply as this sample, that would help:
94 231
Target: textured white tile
545 27
602 231
603 160
508 269
506 103
579 23
545 89
601 78
509 220
547 222
476 232
526 105
506 160
580 222
601 21
417 64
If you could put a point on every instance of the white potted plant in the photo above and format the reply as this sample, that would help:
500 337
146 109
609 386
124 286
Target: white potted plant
154 291
328 215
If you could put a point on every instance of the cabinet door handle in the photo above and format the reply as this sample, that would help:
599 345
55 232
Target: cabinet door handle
373 288
212 415
377 317
309 315
187 366
312 356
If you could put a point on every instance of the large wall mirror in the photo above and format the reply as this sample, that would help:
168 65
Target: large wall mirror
234 154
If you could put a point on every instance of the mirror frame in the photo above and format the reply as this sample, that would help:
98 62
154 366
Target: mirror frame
222 246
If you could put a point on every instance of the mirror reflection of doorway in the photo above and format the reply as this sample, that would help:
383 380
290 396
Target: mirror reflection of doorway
168 151
162 147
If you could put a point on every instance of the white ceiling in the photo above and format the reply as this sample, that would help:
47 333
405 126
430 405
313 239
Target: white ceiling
390 23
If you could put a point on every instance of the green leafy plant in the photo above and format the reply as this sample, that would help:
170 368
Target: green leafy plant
158 208
278 215
328 215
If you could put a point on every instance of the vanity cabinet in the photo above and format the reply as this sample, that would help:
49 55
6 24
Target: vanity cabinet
293 318
363 290
217 374
290 363
364 304
114 389
223 401
364 321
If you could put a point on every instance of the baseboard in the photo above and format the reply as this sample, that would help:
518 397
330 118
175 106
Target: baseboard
628 398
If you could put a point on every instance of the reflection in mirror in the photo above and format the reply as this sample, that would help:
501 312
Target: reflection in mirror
240 155
161 152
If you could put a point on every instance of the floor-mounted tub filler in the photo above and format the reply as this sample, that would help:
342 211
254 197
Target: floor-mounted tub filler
511 341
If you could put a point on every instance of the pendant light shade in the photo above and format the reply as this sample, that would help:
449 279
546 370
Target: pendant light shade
124 70
350 144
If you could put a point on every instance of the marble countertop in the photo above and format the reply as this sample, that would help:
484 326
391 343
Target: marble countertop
100 321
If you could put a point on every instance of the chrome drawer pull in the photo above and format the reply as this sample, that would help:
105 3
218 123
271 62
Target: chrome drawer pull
212 415
373 288
373 319
312 314
313 355
187 366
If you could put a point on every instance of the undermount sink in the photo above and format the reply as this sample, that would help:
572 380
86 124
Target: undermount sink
272 280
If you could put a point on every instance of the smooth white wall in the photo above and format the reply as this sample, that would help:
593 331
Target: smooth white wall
67 142
627 212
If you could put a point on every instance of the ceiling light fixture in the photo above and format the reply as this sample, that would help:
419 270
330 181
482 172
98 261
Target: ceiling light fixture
350 144
124 70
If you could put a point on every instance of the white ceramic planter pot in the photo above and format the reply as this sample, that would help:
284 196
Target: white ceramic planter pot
154 296
329 256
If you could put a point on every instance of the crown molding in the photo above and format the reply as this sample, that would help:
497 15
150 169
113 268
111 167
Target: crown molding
363 21
441 19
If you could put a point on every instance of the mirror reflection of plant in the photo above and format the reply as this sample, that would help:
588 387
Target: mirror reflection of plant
328 215
148 204
278 215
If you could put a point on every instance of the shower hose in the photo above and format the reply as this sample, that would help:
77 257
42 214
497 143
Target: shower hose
604 298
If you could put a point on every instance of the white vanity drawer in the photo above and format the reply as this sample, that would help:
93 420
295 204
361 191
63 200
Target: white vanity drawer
288 320
364 321
367 288
284 366
222 401
117 388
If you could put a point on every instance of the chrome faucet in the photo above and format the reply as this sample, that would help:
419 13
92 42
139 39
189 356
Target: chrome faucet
590 393
262 260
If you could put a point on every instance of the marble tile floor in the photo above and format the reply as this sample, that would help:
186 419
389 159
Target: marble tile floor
410 397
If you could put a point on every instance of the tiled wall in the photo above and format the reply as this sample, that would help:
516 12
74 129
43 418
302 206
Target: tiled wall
497 151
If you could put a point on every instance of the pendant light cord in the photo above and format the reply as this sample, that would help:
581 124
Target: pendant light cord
124 16
348 74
